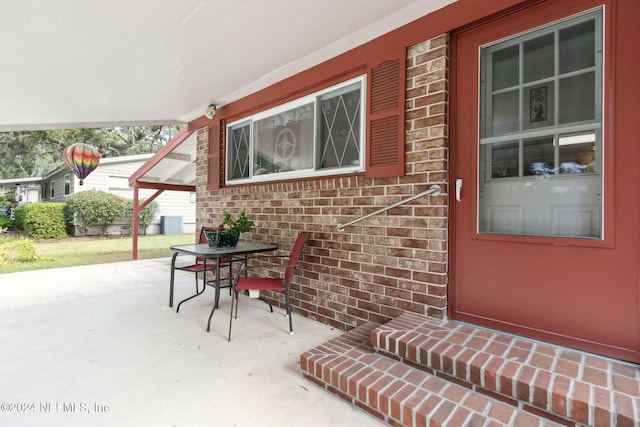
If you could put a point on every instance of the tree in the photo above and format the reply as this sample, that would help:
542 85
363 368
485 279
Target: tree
37 153
21 156
143 139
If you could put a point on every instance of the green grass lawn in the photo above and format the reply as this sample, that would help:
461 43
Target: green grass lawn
96 250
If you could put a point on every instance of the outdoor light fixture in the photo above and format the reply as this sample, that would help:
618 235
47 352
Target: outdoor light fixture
211 111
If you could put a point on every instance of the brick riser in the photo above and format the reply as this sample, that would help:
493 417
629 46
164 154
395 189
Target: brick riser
553 381
401 395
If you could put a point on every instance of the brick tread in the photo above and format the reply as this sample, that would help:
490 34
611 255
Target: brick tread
584 388
399 394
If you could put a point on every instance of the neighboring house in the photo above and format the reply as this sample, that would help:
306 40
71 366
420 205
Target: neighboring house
24 190
112 176
504 104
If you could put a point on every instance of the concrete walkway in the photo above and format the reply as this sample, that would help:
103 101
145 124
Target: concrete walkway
98 345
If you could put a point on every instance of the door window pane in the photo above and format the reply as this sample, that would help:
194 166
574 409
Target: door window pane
577 47
577 153
538 58
545 179
538 106
577 98
505 113
538 155
505 159
505 67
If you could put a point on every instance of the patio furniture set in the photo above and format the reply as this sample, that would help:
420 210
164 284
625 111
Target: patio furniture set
211 258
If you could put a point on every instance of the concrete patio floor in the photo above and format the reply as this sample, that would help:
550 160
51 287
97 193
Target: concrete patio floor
98 345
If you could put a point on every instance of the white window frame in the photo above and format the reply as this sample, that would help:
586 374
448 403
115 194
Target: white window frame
314 171
67 184
52 191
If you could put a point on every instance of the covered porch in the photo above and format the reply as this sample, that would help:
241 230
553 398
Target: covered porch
389 286
98 345
79 350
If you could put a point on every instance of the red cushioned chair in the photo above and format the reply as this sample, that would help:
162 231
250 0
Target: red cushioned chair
198 266
246 283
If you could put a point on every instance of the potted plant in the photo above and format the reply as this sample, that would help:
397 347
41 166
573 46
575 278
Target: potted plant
230 230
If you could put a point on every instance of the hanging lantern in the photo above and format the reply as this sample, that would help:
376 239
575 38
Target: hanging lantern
81 158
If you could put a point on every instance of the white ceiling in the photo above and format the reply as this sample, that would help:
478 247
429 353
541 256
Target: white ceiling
79 63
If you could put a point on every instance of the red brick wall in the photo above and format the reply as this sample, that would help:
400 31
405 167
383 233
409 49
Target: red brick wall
382 266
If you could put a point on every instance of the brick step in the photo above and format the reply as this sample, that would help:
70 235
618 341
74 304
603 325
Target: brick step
399 394
552 381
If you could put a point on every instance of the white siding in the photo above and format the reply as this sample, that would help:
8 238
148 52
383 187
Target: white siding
116 172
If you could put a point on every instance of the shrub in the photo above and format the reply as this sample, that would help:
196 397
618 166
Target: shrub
94 207
146 215
44 220
6 222
21 250
19 213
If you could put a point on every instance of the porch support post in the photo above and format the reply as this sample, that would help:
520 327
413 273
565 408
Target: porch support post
136 215
134 223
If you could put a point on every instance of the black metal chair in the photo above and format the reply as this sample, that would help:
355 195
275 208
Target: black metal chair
198 266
